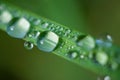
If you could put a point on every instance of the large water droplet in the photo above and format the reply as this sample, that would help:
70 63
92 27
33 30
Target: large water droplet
47 41
86 42
18 28
28 45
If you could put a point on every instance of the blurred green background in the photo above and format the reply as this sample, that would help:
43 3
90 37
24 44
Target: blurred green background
94 17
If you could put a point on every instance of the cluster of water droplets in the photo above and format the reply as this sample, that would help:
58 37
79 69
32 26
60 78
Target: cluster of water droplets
61 31
103 45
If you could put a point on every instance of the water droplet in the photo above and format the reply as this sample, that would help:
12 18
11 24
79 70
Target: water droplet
106 37
101 57
109 37
51 28
47 41
44 24
60 33
70 47
61 29
105 41
34 34
62 44
65 34
86 42
74 37
107 78
18 28
57 27
72 55
36 21
82 56
5 16
28 45
68 31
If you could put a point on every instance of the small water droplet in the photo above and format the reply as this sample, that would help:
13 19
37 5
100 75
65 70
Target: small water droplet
36 21
34 34
44 24
62 44
82 56
58 27
51 28
68 31
105 41
65 34
107 78
109 37
28 45
74 37
60 33
70 47
72 55
61 29
106 37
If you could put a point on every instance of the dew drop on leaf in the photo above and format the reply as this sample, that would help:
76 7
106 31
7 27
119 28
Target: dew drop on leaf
28 45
